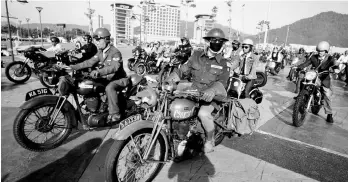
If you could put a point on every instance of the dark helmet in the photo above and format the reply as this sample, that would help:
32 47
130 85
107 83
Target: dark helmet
184 38
102 33
215 33
54 39
236 42
87 38
301 50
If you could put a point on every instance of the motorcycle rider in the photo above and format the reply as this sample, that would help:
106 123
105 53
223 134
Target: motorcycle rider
343 59
209 72
88 50
56 47
247 65
111 72
322 62
185 50
302 58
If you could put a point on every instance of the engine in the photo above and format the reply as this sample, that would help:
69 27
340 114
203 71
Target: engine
94 104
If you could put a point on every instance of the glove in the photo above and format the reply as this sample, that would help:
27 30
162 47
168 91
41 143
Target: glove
94 74
208 95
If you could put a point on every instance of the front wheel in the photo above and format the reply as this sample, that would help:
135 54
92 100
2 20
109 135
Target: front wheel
261 79
49 80
130 64
18 72
32 130
140 69
300 108
123 161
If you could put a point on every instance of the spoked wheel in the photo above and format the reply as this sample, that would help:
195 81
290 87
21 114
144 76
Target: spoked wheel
49 80
123 162
18 72
32 129
300 108
140 69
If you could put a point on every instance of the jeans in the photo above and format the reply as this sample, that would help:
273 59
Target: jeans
248 86
112 92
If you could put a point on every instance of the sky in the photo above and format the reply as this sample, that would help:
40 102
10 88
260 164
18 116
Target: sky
244 18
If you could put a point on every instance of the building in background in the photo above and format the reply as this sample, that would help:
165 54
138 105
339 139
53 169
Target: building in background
97 22
160 22
121 28
202 25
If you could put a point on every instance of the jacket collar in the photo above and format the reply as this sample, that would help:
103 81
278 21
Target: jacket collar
106 49
217 56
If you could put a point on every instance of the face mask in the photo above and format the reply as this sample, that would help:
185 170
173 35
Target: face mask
235 47
216 45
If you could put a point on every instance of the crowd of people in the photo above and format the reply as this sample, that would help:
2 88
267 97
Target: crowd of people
209 68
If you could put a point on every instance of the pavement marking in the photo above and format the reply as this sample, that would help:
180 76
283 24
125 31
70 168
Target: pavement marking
303 143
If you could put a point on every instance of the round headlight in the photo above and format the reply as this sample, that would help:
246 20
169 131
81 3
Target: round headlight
310 75
235 84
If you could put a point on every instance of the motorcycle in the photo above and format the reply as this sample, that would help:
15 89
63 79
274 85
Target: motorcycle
20 71
169 67
273 67
173 133
137 57
49 76
147 65
53 117
341 72
236 89
293 76
310 97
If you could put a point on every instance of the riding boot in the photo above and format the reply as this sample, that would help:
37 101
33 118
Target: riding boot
329 118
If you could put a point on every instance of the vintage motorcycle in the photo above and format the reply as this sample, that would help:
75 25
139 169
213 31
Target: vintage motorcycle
20 71
340 73
52 117
139 54
168 68
142 147
147 65
236 89
310 97
49 76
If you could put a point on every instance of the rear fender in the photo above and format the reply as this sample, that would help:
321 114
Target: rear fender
136 126
45 99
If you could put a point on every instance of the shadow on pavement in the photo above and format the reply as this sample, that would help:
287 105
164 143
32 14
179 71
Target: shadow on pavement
201 169
311 162
68 168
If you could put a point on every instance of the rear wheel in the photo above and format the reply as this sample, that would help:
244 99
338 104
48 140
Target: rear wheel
18 72
49 80
300 108
140 69
123 162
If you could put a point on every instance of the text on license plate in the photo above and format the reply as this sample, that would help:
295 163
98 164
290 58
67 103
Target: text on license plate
129 121
37 92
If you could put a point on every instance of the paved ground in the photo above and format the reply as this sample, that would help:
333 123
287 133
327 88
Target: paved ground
278 151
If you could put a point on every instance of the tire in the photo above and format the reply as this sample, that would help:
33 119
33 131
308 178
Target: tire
140 69
315 109
44 81
130 64
299 106
19 134
163 75
219 136
261 79
27 74
113 155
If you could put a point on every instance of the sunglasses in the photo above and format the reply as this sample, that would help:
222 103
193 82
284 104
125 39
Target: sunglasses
216 40
245 47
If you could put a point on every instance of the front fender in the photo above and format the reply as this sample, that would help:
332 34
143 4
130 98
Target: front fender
47 99
133 127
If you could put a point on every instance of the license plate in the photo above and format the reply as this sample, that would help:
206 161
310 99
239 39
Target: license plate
37 92
129 121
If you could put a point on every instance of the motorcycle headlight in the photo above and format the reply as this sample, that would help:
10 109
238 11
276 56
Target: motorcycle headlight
310 75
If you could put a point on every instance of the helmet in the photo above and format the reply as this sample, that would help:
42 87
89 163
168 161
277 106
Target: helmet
147 97
102 33
323 46
54 39
184 38
215 33
248 42
87 38
236 42
301 49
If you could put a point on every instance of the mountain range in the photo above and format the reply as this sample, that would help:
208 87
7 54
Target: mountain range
329 26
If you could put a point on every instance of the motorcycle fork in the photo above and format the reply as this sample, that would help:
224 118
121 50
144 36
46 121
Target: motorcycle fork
82 120
55 110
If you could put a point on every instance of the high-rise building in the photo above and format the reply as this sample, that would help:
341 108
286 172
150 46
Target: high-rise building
203 24
160 22
97 22
121 28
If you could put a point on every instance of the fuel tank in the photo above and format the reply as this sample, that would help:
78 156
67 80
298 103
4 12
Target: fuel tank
181 109
86 87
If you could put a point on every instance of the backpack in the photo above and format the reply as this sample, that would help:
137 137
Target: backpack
244 116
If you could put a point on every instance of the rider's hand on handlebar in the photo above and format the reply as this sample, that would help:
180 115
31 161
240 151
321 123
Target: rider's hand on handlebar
94 74
208 95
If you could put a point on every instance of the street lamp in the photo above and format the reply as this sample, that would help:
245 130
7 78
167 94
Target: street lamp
187 4
9 25
39 9
19 31
134 18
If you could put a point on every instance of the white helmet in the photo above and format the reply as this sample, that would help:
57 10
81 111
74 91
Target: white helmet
248 42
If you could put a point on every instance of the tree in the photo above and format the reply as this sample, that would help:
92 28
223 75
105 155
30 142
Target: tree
4 29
